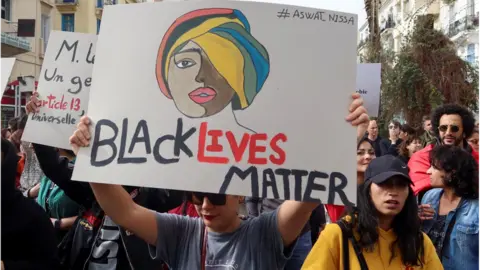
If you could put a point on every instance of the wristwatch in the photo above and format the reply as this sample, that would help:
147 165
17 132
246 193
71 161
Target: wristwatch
57 224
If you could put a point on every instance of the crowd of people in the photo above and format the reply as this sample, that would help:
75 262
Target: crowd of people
417 208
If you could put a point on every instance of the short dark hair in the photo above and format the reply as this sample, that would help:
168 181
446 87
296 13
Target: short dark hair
13 124
395 123
461 167
407 129
468 120
402 148
426 118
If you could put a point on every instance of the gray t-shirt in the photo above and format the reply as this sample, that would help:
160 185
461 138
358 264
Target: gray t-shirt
256 244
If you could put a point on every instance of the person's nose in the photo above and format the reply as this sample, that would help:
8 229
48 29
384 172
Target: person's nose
207 204
429 171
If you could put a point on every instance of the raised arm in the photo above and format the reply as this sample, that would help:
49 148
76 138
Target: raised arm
292 216
115 200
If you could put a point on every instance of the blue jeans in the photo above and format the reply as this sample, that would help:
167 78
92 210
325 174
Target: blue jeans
299 254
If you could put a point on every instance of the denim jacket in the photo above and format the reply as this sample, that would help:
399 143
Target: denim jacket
461 251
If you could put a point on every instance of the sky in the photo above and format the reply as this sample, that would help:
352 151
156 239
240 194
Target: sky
350 6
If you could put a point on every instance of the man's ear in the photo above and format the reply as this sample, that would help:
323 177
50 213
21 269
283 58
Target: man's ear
241 199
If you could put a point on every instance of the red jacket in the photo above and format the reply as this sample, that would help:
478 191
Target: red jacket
419 163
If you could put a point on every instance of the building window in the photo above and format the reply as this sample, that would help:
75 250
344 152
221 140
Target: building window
45 30
68 22
6 9
98 25
470 54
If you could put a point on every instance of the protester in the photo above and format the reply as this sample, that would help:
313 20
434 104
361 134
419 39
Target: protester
473 139
219 237
28 238
390 145
95 241
428 136
405 131
62 210
450 210
452 125
374 139
365 154
384 227
409 146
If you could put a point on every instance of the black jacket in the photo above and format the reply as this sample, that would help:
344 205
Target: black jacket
83 245
28 237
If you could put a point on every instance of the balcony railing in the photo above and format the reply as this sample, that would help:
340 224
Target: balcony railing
101 3
13 45
464 24
66 2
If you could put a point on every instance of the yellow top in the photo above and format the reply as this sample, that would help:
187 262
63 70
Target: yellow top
327 253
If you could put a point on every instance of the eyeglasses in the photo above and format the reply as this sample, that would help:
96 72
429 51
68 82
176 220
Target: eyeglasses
444 128
392 127
197 198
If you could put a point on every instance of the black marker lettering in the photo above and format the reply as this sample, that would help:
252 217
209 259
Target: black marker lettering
332 189
251 171
286 181
97 143
269 181
180 139
55 77
69 48
123 141
298 174
311 186
141 127
156 150
90 59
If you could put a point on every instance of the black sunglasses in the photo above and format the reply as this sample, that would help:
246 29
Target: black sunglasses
453 128
197 198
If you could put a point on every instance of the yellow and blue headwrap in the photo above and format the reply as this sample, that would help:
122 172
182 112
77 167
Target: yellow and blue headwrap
224 36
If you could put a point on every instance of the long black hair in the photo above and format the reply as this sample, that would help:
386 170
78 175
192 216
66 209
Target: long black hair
406 225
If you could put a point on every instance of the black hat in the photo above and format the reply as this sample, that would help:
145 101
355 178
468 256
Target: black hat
383 168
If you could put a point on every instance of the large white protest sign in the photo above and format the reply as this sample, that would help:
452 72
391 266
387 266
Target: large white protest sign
369 81
225 97
63 88
7 66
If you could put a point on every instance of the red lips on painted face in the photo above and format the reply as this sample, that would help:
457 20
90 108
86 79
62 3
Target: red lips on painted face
202 95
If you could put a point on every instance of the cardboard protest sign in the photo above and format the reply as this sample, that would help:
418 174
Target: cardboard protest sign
63 88
369 81
224 97
7 66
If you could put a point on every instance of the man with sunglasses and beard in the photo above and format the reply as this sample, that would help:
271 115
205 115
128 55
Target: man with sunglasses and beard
452 124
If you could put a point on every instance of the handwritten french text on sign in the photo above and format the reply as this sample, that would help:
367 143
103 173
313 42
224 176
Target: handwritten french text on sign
368 85
213 100
7 66
63 89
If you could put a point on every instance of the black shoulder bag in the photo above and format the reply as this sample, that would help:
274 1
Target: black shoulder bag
347 234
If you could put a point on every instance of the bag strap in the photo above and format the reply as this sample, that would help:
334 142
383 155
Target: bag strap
346 254
450 227
348 235
203 253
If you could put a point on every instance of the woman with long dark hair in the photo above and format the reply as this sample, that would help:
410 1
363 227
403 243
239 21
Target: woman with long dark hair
450 210
365 154
384 229
409 146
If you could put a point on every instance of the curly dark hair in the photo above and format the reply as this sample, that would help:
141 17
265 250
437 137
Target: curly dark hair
461 169
406 225
468 120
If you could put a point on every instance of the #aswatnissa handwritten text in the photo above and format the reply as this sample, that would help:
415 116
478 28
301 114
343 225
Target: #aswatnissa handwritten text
210 151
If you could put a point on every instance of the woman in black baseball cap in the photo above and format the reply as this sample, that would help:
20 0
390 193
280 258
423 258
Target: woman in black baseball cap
382 231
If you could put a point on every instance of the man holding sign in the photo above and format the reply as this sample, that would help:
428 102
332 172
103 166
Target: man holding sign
219 239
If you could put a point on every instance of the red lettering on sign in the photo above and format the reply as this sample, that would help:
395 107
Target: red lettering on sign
256 143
